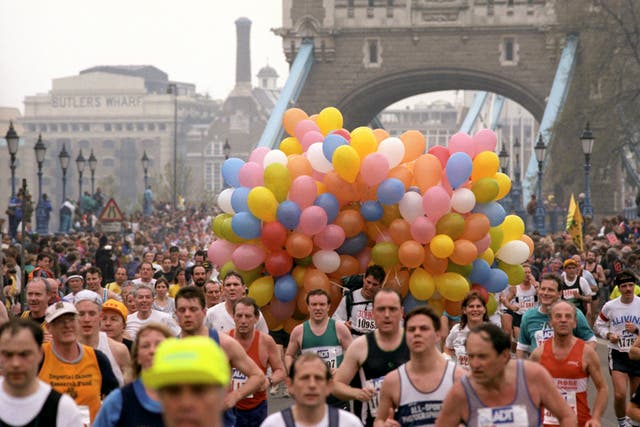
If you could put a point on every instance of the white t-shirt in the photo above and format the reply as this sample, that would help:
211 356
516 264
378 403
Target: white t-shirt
218 318
21 410
134 323
138 282
346 419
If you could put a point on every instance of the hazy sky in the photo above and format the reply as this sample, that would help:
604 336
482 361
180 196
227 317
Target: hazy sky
191 40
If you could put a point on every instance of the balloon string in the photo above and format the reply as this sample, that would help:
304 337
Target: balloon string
338 285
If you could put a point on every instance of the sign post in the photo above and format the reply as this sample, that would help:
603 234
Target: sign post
111 218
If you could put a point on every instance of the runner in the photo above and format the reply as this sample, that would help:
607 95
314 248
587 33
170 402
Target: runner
571 363
521 298
474 312
412 395
355 308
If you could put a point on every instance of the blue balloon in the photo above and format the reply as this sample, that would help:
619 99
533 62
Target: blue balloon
458 169
239 199
331 142
497 281
246 225
288 214
480 271
390 191
285 288
330 204
353 245
410 302
230 171
371 210
493 210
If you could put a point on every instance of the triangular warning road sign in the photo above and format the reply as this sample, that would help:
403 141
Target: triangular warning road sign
111 212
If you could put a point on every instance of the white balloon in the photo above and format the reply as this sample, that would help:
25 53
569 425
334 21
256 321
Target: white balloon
463 200
274 156
393 150
514 252
326 261
224 200
410 206
317 159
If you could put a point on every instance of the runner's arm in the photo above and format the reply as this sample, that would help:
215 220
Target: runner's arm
389 396
634 351
294 347
592 363
348 369
239 359
344 335
452 413
277 367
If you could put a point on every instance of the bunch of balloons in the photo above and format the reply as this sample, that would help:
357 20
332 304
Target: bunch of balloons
328 202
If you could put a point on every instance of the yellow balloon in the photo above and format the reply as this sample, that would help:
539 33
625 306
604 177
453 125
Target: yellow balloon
487 256
512 228
504 184
421 284
278 180
452 286
290 145
346 162
485 165
364 141
262 203
261 290
329 119
441 246
485 190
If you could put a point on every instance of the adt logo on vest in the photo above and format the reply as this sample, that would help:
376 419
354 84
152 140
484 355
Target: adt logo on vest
323 354
502 415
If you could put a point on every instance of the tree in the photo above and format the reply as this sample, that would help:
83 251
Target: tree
162 185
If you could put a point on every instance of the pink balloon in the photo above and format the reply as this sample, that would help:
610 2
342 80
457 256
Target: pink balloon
313 220
258 154
343 133
364 258
442 153
422 229
331 238
483 244
220 251
436 202
251 175
303 191
283 310
485 140
462 142
305 126
248 256
318 176
311 137
374 169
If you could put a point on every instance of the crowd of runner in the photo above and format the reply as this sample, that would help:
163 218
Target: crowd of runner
94 329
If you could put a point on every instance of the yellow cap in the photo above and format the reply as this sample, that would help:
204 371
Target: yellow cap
191 360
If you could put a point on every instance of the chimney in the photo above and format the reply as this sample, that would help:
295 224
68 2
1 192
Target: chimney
243 51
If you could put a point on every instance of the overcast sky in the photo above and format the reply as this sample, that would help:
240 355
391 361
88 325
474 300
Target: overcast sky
191 40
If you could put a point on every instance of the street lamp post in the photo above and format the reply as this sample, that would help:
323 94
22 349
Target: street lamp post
93 162
587 141
517 185
12 139
65 215
145 167
539 149
42 210
174 89
226 150
80 164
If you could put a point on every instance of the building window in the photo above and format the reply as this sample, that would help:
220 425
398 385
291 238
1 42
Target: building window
108 144
151 126
350 9
130 127
32 128
107 127
217 176
489 7
118 127
208 176
162 126
85 127
595 89
140 127
84 145
509 51
372 53
74 127
53 127
64 127
108 163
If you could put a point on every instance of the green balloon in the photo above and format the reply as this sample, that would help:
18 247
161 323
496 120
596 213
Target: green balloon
451 224
463 270
485 190
515 273
496 238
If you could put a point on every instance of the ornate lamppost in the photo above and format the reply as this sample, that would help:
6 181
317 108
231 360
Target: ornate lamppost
93 163
145 167
587 141
539 150
80 165
13 140
65 213
43 208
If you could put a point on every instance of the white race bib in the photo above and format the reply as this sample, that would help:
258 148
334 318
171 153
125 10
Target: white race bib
570 398
503 416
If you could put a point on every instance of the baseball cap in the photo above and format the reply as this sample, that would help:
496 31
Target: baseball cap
74 276
87 295
191 360
569 261
115 305
58 309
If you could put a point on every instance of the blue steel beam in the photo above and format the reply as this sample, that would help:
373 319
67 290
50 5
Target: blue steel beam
298 73
498 104
478 101
557 98
376 123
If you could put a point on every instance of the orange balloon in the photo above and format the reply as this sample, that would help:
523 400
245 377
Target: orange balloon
351 222
398 279
291 323
299 245
291 118
411 254
427 172
464 252
414 145
400 232
402 173
529 243
375 230
301 303
433 264
476 226
298 165
335 292
380 135
340 188
437 305
349 266
316 279
454 308
272 323
314 118
391 212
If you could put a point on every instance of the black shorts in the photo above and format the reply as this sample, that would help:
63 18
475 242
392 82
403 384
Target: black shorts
619 361
517 318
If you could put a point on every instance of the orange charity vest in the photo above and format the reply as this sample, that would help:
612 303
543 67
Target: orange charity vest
82 380
570 378
238 378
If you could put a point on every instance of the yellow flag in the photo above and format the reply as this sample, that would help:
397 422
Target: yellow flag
574 223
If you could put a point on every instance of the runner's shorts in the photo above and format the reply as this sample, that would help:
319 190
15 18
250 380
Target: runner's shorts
619 361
